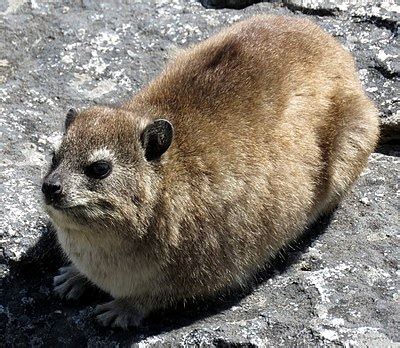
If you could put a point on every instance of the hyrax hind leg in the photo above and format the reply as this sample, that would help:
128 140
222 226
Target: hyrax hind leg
356 125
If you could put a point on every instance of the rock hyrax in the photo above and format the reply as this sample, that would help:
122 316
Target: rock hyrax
194 184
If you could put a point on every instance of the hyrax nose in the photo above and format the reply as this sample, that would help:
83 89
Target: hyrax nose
52 190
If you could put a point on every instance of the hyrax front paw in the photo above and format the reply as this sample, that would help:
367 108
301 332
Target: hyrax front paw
118 314
70 284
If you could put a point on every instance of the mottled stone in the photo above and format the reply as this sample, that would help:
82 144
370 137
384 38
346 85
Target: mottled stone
338 285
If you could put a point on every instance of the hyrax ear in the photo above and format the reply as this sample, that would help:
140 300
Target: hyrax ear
71 115
156 138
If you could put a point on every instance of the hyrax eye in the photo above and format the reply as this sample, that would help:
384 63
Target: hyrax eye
98 170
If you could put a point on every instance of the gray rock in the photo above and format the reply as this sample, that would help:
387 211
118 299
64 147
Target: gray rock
337 286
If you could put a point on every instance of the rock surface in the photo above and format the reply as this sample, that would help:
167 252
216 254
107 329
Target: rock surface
339 285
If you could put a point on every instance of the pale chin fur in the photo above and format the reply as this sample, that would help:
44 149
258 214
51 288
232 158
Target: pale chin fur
70 216
91 248
62 220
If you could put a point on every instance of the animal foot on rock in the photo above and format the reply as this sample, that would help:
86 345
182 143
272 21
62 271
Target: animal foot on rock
118 314
70 284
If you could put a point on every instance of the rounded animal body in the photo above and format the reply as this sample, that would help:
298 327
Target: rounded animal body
227 156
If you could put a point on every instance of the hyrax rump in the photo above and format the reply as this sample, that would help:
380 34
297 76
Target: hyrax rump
194 184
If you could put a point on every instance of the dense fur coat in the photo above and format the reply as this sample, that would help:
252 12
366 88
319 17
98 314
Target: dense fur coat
270 128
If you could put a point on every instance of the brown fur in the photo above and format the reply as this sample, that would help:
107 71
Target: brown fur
271 128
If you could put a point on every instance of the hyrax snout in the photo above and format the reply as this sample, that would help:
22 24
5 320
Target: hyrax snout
193 185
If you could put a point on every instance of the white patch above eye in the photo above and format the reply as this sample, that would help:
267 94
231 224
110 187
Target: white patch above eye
101 154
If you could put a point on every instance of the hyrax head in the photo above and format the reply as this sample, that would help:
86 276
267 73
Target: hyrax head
105 171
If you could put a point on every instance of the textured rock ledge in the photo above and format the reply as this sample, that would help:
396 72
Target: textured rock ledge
336 287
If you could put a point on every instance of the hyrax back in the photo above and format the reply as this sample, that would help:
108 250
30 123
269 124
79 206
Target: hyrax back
227 156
